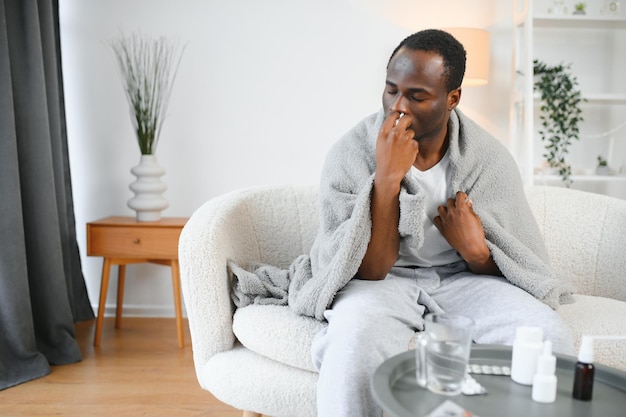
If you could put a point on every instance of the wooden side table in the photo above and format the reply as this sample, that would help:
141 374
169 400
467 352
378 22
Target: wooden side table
122 241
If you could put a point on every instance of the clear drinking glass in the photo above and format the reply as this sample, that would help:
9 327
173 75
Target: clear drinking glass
442 352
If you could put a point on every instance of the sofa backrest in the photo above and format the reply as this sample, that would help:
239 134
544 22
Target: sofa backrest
284 221
585 235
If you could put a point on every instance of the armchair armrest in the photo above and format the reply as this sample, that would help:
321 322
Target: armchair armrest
270 224
220 230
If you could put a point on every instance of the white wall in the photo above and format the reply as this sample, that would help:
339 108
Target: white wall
263 90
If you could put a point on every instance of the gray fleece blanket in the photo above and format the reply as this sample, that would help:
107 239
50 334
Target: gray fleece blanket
481 167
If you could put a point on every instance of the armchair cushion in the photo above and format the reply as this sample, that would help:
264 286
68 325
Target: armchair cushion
278 333
599 316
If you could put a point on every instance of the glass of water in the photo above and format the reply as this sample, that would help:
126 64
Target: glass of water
442 352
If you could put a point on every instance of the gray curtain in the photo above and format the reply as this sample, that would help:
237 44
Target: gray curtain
42 289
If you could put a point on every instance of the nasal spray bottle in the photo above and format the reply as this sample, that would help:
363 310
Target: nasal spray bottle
584 371
544 382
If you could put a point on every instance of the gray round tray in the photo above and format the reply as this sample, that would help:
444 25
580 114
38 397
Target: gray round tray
396 390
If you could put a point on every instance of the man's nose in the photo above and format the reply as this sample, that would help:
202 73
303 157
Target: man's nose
399 104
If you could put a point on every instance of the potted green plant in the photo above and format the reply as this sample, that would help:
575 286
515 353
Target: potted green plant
560 113
603 166
579 8
148 67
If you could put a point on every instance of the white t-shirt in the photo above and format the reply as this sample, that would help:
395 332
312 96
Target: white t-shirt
435 251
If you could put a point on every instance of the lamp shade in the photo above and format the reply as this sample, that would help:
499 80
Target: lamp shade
476 44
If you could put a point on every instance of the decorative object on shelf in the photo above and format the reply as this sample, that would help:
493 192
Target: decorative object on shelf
611 8
579 8
558 8
148 68
603 166
560 113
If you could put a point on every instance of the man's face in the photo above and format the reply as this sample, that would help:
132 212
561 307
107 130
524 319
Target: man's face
416 86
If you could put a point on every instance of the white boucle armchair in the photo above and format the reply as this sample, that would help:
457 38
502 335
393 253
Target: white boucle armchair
257 358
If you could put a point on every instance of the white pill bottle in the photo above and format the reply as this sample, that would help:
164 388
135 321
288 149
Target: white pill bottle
527 348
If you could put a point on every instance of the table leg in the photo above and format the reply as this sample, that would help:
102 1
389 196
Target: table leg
178 303
121 278
104 286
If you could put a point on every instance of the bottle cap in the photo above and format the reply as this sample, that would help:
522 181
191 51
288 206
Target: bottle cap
585 354
529 334
546 364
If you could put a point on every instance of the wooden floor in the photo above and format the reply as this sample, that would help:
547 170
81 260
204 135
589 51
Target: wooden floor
138 370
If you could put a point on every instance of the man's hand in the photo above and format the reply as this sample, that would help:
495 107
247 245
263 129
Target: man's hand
395 153
396 149
461 227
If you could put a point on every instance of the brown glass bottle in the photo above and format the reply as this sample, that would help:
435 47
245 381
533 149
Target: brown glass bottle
583 381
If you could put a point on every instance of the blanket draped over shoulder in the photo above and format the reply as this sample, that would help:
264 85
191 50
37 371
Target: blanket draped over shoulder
481 167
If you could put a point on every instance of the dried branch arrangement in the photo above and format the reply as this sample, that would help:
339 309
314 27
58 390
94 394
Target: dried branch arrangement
148 68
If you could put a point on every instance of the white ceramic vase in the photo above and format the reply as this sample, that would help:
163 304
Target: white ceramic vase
148 201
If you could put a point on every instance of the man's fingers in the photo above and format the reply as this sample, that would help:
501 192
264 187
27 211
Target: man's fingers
410 133
438 222
462 197
397 120
404 121
390 121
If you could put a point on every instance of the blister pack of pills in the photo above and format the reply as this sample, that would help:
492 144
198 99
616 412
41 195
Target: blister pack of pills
484 369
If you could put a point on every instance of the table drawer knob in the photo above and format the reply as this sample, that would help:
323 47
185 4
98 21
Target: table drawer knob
136 241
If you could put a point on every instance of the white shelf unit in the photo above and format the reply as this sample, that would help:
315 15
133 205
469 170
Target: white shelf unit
595 46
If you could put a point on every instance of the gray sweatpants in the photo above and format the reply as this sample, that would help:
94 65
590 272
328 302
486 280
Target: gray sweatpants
370 321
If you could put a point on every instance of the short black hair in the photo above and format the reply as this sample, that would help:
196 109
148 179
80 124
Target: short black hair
444 44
